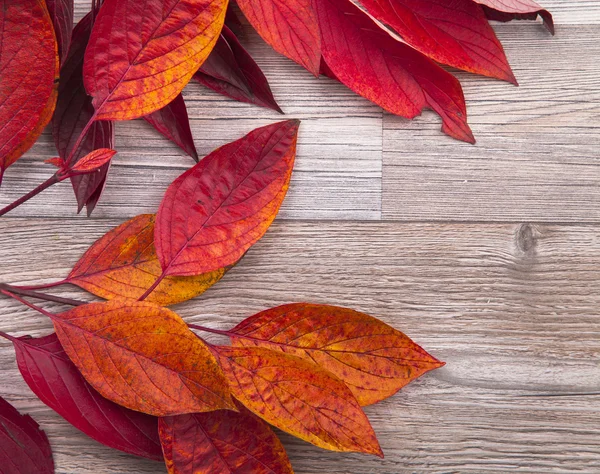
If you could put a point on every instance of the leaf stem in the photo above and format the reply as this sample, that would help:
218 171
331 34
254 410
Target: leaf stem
8 336
41 296
55 178
213 331
28 304
41 286
153 287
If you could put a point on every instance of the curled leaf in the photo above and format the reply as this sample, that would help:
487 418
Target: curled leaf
24 447
298 397
373 359
221 441
94 160
142 54
61 13
455 33
28 76
56 381
214 212
507 10
393 75
142 357
289 26
123 264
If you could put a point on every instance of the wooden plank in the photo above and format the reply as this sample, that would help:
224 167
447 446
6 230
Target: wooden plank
511 308
537 153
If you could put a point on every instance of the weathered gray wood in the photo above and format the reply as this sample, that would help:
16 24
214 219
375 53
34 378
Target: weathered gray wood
512 309
536 156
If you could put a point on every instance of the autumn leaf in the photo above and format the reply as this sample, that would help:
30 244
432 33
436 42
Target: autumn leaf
24 447
372 358
289 26
142 357
214 212
298 397
142 54
94 160
52 376
507 10
393 75
61 13
231 71
123 264
73 112
172 122
27 92
455 33
222 441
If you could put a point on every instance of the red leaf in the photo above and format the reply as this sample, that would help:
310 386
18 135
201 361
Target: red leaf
222 441
24 447
58 162
214 212
507 10
61 12
456 33
172 122
289 26
52 376
28 74
393 75
232 72
142 54
73 111
94 160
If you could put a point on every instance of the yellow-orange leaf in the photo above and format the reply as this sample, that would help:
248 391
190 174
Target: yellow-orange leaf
123 264
298 397
142 54
143 357
373 359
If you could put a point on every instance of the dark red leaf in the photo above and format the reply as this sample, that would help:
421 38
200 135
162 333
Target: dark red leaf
289 26
232 20
507 10
61 12
172 122
222 441
52 376
393 75
73 111
231 71
455 33
24 447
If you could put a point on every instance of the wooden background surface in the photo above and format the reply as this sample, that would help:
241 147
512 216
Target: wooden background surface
487 255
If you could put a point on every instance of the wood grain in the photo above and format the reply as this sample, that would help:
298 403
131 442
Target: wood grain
511 308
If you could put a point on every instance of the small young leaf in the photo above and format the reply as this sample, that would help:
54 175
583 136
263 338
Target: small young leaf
221 441
507 10
393 75
172 122
298 397
142 357
24 447
231 71
28 76
289 26
61 13
455 33
214 212
372 358
94 160
142 54
56 381
123 264
73 111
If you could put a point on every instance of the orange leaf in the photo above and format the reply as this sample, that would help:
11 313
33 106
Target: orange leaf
94 160
142 357
221 441
289 26
298 397
142 54
28 76
373 359
214 212
123 264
